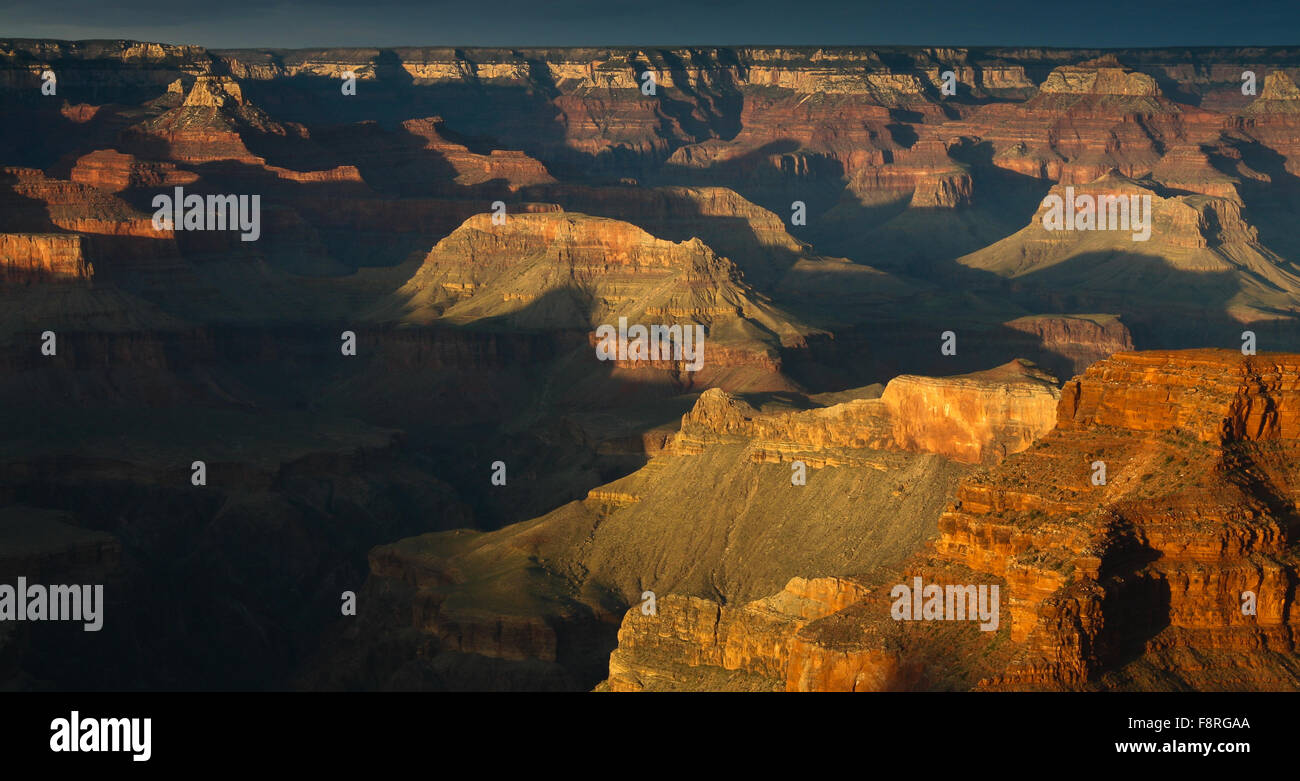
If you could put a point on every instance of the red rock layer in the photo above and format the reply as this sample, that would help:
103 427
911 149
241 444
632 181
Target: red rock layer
71 206
1134 581
26 257
115 171
1197 507
115 235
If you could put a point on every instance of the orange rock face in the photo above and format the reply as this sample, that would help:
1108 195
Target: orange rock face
1194 509
1216 396
115 171
99 227
43 257
755 643
972 419
72 207
1150 527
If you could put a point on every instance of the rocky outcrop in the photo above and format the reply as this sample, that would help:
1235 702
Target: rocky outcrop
1080 340
1093 116
755 239
512 166
111 234
37 200
1184 248
218 91
1213 396
1272 120
870 462
727 478
689 643
977 418
114 171
562 270
1279 96
1104 76
1193 512
1149 528
26 257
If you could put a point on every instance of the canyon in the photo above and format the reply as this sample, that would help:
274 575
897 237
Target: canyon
1117 586
885 317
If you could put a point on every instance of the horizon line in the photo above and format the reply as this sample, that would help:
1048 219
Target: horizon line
1053 47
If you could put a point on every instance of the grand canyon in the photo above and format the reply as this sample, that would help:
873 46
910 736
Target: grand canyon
372 443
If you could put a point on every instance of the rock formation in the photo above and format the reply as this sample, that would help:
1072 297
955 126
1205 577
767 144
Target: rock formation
1111 583
871 478
40 257
830 216
557 270
976 418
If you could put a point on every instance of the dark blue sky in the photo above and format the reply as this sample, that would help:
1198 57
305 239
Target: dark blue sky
268 23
